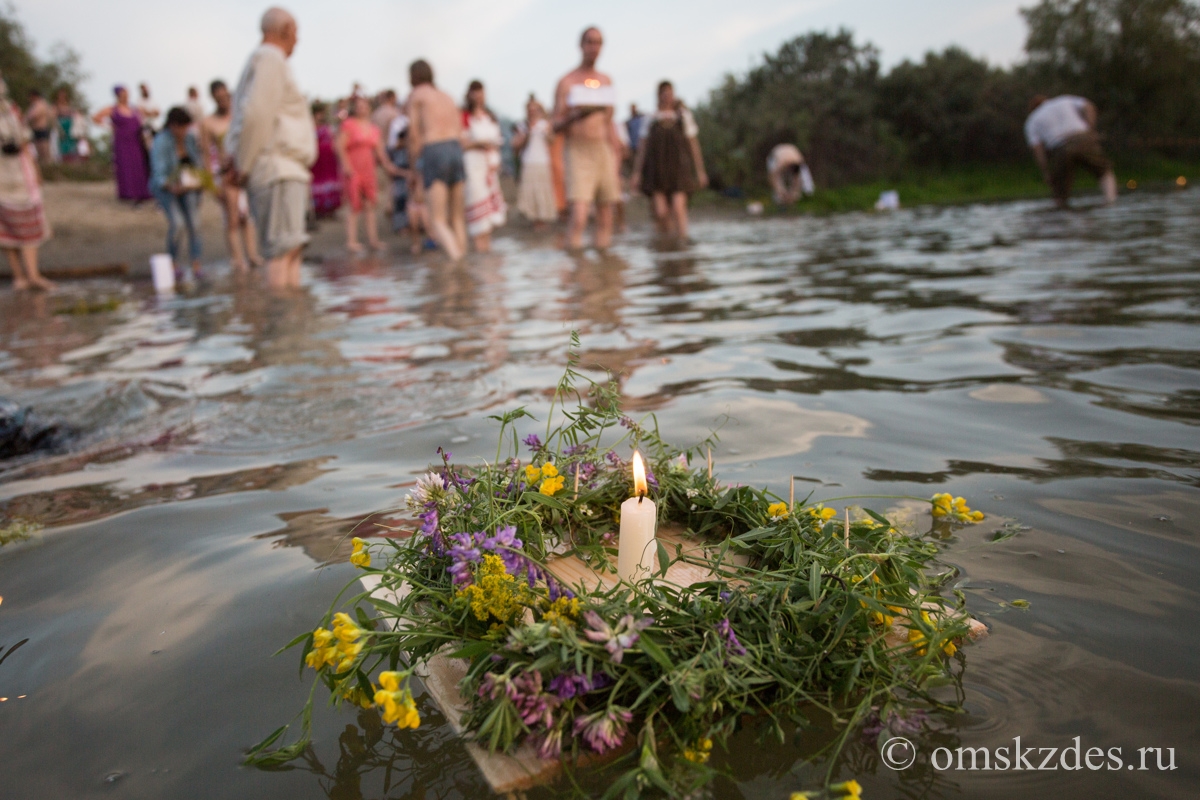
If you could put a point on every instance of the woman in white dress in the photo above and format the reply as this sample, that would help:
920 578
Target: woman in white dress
535 198
481 162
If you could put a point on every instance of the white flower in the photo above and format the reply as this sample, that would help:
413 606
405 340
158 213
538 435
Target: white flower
692 493
430 488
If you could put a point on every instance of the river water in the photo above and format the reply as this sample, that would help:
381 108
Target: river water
1045 365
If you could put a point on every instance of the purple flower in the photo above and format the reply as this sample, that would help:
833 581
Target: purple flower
548 743
577 449
615 640
650 479
463 554
725 630
604 730
724 596
535 707
571 684
627 422
533 442
612 458
503 544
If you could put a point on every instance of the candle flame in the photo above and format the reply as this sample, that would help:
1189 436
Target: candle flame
639 474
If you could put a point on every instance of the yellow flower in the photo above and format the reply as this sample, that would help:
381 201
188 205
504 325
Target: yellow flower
941 504
549 470
563 610
552 485
532 474
822 513
700 753
777 511
495 592
976 516
345 629
358 697
397 704
918 641
851 789
323 650
360 557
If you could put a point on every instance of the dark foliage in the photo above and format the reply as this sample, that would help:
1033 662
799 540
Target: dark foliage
24 71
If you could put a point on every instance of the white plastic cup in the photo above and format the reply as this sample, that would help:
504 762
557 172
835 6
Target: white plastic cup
162 270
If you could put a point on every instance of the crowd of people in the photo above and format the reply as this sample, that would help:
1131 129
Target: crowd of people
274 162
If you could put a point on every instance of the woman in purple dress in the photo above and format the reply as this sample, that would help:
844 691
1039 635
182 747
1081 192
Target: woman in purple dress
128 149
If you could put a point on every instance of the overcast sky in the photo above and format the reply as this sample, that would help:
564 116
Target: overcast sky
514 46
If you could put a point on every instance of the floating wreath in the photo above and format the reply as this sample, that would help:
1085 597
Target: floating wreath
799 610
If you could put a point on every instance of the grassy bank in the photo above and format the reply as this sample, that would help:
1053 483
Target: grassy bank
971 184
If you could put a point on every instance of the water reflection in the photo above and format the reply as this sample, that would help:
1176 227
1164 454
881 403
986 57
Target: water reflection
1044 365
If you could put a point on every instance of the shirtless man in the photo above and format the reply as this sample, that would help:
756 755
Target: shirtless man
583 109
39 118
434 145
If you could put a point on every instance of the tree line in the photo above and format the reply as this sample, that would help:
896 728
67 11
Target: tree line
1137 60
24 71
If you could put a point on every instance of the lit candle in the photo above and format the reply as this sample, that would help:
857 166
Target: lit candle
636 549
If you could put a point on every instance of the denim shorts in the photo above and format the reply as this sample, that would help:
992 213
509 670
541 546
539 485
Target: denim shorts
442 161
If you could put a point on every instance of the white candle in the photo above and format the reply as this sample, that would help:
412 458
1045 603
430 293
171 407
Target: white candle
636 549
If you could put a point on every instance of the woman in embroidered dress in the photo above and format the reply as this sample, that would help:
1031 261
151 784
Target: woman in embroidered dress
669 165
22 217
482 138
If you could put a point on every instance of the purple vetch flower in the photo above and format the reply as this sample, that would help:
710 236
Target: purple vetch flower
724 597
613 459
535 706
548 743
616 640
604 730
627 422
571 684
650 479
577 449
464 552
503 544
725 630
533 442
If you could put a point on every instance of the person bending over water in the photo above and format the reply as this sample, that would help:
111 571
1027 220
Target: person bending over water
435 146
788 174
669 165
1062 134
240 235
583 110
175 182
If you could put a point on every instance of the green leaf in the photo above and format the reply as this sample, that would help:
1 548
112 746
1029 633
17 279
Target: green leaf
814 581
650 648
472 649
664 560
545 500
680 697
878 518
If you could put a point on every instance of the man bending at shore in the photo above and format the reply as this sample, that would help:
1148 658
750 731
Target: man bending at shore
583 109
435 146
1062 134
272 142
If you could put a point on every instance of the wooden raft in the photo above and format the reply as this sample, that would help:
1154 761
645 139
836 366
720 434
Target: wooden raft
523 769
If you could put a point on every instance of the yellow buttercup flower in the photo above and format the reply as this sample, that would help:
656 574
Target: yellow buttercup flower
552 485
358 697
532 474
549 470
397 704
777 511
851 789
700 752
944 505
360 557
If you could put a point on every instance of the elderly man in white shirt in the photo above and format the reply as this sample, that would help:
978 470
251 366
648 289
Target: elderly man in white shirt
271 143
1061 131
